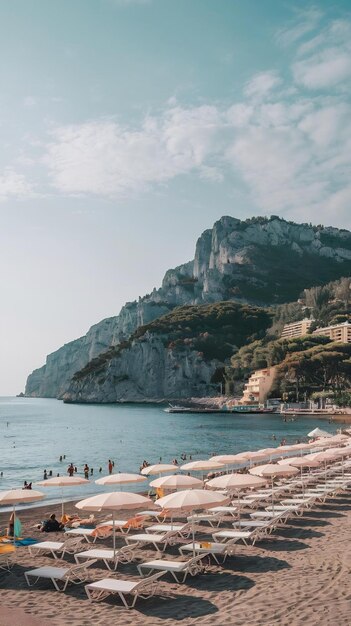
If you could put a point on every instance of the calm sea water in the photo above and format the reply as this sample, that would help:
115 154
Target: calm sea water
35 432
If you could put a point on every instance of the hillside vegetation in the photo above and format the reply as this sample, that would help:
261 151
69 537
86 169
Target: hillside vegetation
214 330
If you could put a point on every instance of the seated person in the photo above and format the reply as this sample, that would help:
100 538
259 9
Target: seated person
51 525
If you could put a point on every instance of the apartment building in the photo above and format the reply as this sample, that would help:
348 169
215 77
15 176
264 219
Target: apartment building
258 386
296 329
338 332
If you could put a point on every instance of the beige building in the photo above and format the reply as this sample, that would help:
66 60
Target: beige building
338 332
258 386
296 329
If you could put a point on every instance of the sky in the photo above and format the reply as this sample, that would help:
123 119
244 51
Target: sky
128 127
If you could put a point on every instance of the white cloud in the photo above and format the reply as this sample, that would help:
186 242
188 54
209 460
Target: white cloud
324 61
288 147
262 84
14 185
325 69
104 158
306 20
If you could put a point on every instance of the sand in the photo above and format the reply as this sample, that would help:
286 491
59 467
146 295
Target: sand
299 576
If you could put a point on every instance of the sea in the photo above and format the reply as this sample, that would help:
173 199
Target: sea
35 432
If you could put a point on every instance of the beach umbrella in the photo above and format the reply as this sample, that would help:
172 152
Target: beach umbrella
122 478
63 481
272 471
236 482
192 500
177 481
19 496
229 459
255 456
114 501
302 462
159 468
318 432
197 466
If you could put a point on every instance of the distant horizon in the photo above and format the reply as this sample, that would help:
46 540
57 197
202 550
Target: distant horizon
129 127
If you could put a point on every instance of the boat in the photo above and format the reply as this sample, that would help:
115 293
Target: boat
222 410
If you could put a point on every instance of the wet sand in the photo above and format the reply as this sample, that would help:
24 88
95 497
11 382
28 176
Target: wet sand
299 576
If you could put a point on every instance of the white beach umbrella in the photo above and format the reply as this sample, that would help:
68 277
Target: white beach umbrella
229 459
122 478
63 481
192 500
235 483
177 481
302 462
318 432
273 470
19 496
202 465
159 468
114 501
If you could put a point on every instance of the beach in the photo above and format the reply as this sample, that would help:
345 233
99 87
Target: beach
300 575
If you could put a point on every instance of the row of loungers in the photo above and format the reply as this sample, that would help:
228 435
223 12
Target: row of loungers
261 524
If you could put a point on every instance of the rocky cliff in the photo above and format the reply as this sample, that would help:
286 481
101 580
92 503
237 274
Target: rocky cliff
179 355
261 261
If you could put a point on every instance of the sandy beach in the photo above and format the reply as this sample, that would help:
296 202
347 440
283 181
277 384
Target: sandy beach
299 576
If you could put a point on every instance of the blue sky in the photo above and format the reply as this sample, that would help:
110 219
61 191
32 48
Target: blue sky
130 126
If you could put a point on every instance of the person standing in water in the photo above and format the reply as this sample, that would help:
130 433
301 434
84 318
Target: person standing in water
110 466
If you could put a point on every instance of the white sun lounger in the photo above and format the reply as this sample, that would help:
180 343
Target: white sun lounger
156 539
214 519
90 534
126 554
182 529
7 560
75 574
178 569
213 549
145 588
244 535
53 547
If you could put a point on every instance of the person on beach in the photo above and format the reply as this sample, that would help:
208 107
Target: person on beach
50 473
110 466
51 525
70 469
27 485
61 458
45 477
100 470
91 471
86 471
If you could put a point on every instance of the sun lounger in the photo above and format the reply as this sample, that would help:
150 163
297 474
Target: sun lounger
214 519
215 550
159 540
53 547
7 558
182 529
91 534
75 574
145 588
126 554
241 535
178 569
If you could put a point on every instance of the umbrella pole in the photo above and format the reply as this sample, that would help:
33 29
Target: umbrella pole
193 532
272 495
14 520
303 484
114 533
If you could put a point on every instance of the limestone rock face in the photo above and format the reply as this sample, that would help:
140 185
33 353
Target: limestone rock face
146 370
259 261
